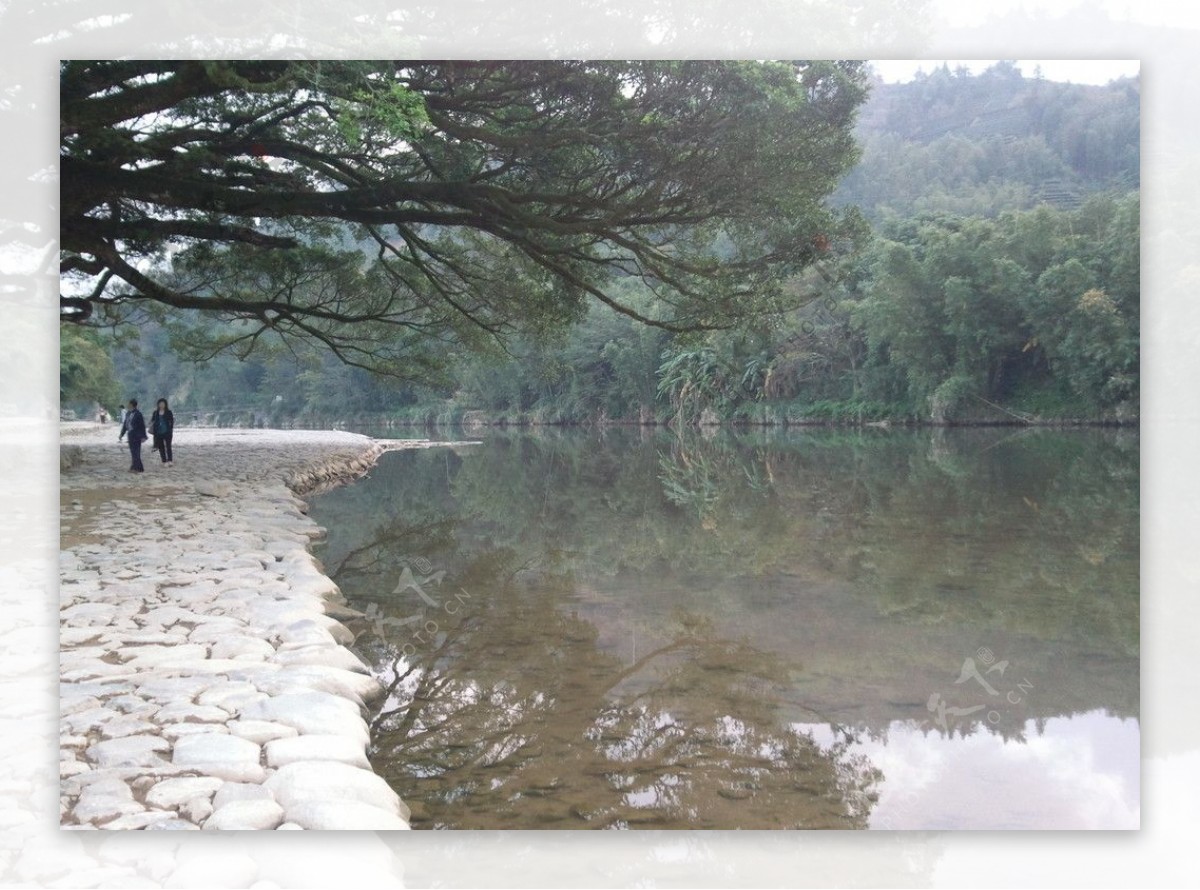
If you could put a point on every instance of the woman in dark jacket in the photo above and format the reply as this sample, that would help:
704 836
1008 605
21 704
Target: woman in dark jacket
162 426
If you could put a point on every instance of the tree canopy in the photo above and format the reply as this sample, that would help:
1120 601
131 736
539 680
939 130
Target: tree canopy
390 209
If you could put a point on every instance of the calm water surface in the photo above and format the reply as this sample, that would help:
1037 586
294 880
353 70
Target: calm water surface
829 629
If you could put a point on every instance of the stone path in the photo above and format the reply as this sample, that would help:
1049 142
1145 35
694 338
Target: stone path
205 679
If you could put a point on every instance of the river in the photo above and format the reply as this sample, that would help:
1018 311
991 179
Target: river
910 629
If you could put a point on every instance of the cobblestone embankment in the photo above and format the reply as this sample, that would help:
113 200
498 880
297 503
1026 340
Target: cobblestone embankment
205 679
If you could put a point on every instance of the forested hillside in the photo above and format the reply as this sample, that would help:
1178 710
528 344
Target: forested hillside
994 279
979 145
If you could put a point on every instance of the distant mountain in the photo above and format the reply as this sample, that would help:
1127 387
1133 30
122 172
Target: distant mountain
953 142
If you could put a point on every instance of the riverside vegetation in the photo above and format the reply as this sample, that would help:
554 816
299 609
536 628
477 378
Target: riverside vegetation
997 281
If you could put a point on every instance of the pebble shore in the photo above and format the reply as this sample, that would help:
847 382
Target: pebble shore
205 679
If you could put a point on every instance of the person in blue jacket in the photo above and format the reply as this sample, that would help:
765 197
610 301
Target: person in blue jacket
135 427
162 426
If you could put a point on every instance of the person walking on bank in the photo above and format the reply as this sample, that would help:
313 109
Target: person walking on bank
162 425
135 426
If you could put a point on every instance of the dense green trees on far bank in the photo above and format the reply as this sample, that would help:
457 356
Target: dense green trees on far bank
1037 310
939 319
1000 282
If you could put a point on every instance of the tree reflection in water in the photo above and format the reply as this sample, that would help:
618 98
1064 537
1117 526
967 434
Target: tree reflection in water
514 717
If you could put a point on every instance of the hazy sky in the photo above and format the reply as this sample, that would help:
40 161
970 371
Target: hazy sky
1097 71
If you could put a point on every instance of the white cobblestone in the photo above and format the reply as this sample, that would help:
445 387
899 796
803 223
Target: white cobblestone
338 748
240 815
171 793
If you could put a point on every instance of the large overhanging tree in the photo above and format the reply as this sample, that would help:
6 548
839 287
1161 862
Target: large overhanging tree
387 209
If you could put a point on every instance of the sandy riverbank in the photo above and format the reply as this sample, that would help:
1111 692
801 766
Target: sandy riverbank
204 676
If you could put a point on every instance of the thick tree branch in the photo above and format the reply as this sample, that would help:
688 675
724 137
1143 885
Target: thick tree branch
515 190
